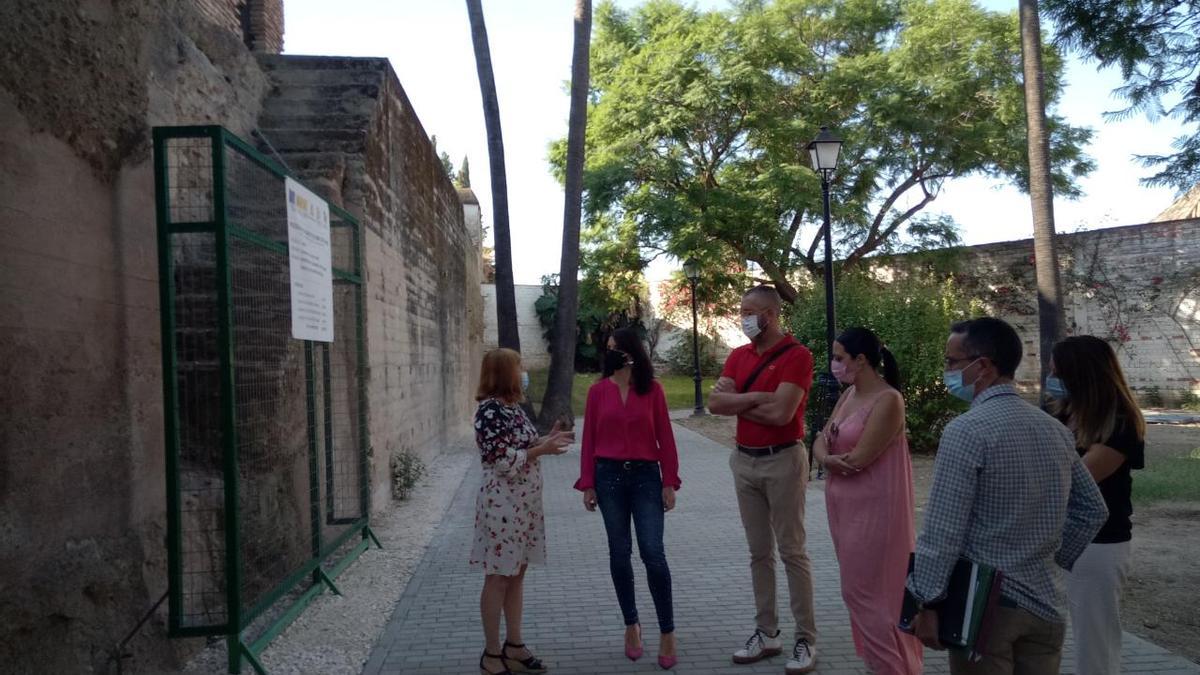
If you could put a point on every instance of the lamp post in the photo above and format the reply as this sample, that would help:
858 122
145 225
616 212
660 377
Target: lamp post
691 269
824 151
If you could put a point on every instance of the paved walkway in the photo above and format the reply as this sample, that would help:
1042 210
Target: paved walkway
571 614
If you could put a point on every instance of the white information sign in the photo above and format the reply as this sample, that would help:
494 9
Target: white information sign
311 264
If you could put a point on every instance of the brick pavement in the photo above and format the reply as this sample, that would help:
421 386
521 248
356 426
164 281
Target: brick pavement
571 615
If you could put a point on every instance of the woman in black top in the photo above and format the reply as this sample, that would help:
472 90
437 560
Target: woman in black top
1092 398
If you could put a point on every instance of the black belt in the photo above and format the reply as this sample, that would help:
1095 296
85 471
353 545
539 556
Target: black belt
765 451
1008 602
627 464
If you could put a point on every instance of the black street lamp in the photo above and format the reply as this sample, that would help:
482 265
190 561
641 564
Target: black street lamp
691 270
824 151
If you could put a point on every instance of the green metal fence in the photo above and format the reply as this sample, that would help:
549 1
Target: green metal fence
266 436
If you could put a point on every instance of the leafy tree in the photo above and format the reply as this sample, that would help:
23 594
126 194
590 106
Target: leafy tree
447 165
912 315
597 316
699 122
1156 44
463 179
556 404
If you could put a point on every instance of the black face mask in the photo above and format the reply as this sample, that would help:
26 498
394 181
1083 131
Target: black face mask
615 360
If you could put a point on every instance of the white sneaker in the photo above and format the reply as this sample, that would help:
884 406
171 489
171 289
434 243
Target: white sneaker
758 647
804 659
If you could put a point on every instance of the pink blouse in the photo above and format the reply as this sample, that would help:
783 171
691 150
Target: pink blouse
639 428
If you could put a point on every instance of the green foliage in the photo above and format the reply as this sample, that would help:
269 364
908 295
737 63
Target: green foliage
699 121
1156 44
679 357
1190 401
463 178
1152 397
407 469
912 315
600 312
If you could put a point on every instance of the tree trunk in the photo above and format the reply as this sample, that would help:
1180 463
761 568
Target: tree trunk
1051 324
506 301
557 402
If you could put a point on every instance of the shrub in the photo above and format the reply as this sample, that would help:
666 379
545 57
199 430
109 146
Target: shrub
912 315
407 469
1190 401
596 318
1152 397
679 357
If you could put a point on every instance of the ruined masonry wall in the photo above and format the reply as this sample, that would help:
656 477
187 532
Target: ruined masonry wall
265 19
82 489
1136 286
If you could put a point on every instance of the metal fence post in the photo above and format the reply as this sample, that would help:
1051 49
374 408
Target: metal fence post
228 392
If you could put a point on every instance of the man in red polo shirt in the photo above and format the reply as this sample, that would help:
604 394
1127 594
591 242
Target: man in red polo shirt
765 383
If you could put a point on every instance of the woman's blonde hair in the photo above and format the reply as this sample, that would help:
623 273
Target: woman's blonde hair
1097 392
500 376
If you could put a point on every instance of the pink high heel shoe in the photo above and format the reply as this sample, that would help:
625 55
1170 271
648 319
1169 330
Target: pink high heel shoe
668 662
633 654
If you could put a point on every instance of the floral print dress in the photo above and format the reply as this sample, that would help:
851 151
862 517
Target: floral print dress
510 530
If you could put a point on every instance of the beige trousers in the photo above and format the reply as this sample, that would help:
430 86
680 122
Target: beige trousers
770 494
1020 644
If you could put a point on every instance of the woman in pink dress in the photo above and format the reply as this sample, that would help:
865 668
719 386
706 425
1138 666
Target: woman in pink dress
869 498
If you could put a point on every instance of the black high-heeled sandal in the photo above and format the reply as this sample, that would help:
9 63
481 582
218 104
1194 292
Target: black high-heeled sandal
499 657
530 665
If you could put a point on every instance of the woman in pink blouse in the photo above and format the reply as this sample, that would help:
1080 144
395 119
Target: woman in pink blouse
630 469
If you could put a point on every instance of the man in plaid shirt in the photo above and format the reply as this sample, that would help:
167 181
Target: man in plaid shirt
1008 491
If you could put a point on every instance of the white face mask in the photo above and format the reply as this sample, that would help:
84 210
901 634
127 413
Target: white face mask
750 326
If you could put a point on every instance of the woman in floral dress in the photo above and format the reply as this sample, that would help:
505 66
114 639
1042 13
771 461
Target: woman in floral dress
510 532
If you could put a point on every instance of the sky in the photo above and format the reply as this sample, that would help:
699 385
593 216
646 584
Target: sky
429 45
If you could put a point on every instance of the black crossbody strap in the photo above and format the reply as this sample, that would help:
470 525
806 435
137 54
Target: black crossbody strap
762 366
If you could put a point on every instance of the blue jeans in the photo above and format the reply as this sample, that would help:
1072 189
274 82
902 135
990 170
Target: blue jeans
628 491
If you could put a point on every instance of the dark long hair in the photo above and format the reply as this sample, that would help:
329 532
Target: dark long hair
627 340
864 341
1099 396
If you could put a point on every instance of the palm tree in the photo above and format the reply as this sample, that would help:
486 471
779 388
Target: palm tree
506 301
556 404
1051 324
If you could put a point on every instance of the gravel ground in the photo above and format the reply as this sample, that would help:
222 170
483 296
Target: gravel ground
335 634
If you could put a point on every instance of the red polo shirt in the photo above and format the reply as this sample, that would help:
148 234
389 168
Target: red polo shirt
794 366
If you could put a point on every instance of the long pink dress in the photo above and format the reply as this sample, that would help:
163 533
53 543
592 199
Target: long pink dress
871 521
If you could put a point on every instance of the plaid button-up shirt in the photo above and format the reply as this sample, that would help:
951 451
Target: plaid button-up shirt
1008 491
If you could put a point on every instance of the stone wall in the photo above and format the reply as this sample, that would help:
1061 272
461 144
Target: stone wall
82 487
535 352
346 126
1136 286
82 492
259 22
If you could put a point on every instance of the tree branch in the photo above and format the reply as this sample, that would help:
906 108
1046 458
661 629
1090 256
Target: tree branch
794 227
912 180
779 279
870 245
812 248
